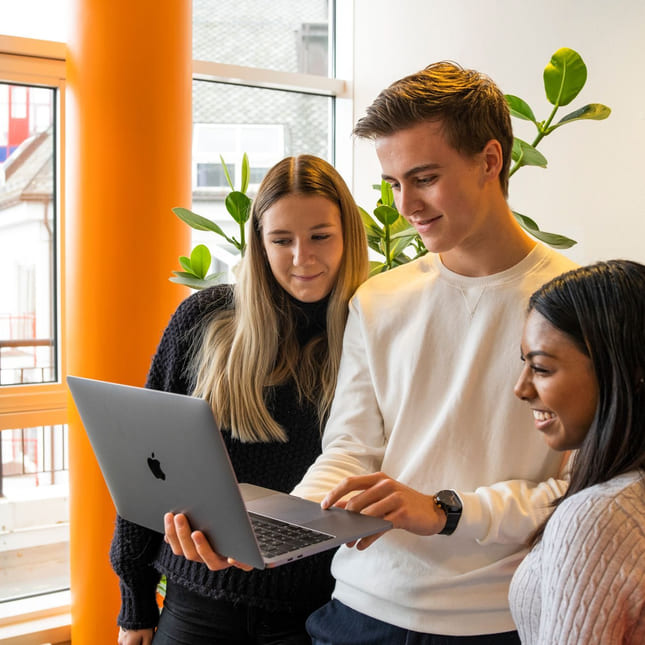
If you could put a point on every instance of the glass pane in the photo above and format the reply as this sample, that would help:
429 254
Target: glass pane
267 125
285 35
34 514
27 235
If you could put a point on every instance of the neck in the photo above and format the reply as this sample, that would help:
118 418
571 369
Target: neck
498 246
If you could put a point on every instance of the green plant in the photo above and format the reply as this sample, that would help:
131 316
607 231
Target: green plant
393 237
564 78
195 268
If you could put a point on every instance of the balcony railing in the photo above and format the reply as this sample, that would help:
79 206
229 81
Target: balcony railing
31 457
14 370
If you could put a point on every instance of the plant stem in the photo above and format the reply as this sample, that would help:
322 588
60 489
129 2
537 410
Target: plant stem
388 259
542 132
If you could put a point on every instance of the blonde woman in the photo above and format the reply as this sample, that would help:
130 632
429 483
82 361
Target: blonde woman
265 354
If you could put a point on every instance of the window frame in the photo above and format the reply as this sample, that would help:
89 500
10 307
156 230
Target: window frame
37 62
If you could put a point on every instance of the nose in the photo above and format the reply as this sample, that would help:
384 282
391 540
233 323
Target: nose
524 387
408 202
302 253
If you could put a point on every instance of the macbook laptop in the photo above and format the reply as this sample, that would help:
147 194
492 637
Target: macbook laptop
161 452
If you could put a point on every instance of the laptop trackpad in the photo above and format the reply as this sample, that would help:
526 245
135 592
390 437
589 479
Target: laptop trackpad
289 508
282 506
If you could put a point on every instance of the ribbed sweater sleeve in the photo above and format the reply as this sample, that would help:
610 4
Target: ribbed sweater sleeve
585 581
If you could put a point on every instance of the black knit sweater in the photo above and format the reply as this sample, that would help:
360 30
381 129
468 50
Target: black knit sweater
139 556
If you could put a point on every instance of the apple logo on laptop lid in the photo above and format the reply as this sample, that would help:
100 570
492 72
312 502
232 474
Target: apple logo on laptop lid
155 467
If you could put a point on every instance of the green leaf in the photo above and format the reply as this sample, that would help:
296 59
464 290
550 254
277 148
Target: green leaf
387 196
375 244
526 155
228 177
408 236
239 206
552 239
200 260
185 263
386 215
188 280
401 225
245 173
564 76
398 245
594 111
186 274
371 227
400 259
197 221
377 267
520 108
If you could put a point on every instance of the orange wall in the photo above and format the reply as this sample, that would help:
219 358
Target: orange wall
128 136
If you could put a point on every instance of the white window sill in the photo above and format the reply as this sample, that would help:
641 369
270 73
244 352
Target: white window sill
35 621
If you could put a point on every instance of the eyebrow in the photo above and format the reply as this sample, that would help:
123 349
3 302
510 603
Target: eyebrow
537 353
285 231
414 171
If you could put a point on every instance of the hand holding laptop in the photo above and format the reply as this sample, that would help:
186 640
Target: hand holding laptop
194 545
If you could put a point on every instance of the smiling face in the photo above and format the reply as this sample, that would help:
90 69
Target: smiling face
445 195
303 240
558 382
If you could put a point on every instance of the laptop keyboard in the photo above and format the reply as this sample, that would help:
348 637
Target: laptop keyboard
276 537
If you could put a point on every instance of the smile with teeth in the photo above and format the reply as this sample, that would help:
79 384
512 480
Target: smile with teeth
542 415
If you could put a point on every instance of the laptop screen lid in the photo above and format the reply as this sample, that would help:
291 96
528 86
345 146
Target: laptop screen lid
161 452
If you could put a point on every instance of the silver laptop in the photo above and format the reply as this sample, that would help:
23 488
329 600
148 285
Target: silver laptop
161 452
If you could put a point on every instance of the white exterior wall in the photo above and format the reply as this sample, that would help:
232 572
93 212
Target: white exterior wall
594 187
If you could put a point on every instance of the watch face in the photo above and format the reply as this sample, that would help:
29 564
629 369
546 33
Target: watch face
450 500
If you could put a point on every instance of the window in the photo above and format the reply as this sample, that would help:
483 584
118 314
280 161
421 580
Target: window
267 115
28 229
285 35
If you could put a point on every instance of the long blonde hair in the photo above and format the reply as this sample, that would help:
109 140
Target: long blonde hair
254 345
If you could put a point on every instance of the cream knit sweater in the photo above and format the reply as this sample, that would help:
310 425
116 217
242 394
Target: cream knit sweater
584 583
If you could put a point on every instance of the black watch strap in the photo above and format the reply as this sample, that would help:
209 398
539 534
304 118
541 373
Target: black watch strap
449 502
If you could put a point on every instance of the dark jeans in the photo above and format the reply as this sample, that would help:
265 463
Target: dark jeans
337 624
190 619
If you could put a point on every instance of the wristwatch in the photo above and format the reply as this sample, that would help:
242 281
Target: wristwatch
450 503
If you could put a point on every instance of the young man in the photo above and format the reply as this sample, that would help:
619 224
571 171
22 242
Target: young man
425 430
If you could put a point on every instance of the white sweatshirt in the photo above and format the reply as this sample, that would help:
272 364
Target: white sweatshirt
425 394
584 582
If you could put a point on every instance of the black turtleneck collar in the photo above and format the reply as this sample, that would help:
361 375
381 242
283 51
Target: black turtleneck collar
311 317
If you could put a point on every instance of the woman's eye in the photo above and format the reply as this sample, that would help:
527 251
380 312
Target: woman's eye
321 236
536 369
280 241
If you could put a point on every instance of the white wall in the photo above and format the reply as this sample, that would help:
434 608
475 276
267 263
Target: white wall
594 187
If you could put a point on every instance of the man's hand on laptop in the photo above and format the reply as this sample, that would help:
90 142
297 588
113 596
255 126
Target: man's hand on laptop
382 496
193 545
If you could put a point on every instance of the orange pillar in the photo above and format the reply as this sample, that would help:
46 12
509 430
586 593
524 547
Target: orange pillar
128 142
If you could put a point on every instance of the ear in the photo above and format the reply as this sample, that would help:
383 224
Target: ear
493 159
